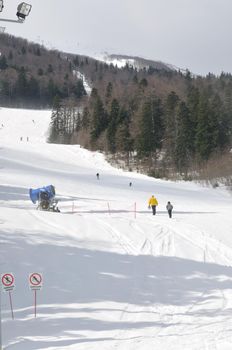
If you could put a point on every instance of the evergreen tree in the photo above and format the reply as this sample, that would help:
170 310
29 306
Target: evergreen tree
37 52
96 66
94 93
40 72
226 120
33 87
3 62
109 90
65 90
21 83
85 123
52 90
77 122
143 83
213 127
50 69
112 125
99 119
145 137
193 96
4 88
79 89
55 125
184 148
10 56
149 139
124 141
76 61
204 142
170 122
135 79
220 125
23 50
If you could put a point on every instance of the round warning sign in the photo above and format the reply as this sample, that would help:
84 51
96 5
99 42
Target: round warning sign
7 280
35 280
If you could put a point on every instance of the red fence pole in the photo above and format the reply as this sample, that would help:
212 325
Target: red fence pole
108 208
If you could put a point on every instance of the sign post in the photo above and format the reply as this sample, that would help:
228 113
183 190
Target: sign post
7 280
108 204
35 283
1 320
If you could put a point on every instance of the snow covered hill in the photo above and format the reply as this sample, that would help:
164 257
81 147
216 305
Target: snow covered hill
136 62
114 276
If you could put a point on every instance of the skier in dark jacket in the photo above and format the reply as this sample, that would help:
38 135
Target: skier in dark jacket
169 208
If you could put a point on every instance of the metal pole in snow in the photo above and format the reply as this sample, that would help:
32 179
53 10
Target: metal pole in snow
108 207
35 302
135 210
11 306
1 348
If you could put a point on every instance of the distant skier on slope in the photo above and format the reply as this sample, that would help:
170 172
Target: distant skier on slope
97 176
152 203
169 208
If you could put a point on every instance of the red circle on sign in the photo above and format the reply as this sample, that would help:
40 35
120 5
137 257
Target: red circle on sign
7 280
35 279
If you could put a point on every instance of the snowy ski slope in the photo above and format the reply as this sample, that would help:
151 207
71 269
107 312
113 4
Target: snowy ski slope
111 279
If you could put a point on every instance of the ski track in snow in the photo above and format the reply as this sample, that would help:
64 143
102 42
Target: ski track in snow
134 283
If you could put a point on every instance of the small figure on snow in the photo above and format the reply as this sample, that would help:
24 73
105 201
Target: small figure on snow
21 138
97 176
152 203
130 184
169 208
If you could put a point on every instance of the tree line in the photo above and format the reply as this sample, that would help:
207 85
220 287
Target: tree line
159 134
41 89
158 120
31 75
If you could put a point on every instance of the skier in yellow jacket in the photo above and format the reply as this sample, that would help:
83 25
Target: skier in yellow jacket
153 203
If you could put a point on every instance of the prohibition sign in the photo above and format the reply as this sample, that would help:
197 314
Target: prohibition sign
35 279
7 280
8 285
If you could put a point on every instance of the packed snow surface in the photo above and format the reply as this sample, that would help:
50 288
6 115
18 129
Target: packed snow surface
114 276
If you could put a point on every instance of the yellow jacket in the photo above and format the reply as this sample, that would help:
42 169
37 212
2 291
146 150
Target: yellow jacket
152 201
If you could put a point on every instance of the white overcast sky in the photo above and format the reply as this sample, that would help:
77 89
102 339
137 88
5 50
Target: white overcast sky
193 34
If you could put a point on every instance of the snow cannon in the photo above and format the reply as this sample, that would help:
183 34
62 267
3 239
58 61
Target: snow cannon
45 196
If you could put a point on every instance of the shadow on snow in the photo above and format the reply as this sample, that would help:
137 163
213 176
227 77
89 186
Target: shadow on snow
99 276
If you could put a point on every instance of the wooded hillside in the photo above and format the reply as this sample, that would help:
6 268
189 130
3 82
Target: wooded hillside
155 119
31 75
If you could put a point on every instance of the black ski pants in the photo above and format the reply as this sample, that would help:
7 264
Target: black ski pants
153 209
